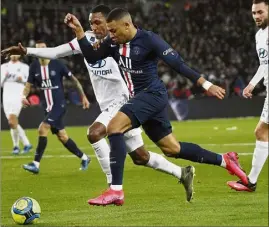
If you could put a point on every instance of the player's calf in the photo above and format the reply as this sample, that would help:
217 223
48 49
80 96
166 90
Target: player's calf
140 156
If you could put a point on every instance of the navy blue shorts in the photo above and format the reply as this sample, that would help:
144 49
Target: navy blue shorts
149 110
55 118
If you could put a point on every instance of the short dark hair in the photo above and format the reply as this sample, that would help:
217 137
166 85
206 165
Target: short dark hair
117 14
40 41
101 9
260 1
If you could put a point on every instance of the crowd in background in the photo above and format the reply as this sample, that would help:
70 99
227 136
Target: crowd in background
217 38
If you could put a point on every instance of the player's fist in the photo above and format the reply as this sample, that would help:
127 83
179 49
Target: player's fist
14 50
216 91
247 92
85 103
19 79
72 21
25 102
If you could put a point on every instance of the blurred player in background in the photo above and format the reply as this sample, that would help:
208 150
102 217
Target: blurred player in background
14 75
48 75
260 16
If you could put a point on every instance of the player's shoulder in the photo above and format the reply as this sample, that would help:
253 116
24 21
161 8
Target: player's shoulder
34 64
4 65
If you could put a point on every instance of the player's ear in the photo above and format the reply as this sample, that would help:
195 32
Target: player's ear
127 26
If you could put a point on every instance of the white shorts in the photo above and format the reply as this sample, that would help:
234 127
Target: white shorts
13 107
264 116
133 138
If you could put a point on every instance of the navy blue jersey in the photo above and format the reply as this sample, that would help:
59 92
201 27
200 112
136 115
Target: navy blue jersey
49 79
138 60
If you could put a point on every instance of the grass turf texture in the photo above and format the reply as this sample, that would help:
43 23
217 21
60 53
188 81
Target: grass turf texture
152 198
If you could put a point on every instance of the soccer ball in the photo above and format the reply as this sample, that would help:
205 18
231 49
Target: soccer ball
25 210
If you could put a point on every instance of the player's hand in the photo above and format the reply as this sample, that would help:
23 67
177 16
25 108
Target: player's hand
247 92
217 91
25 102
72 22
14 50
85 103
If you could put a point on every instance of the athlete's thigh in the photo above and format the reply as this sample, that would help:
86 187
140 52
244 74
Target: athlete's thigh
158 126
144 106
133 139
106 116
13 108
55 119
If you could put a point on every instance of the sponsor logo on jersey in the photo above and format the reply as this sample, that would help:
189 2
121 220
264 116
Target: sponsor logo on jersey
52 73
127 65
98 64
170 50
262 53
46 84
101 72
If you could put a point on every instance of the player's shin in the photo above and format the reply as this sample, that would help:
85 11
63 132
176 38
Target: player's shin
117 158
23 136
42 143
158 162
102 151
195 153
72 147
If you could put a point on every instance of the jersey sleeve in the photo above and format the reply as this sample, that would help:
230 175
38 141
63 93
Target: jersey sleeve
171 57
31 76
75 46
92 56
52 52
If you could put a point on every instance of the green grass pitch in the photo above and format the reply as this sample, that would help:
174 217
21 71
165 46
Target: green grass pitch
152 198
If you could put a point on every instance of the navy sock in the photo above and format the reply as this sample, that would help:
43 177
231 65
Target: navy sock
195 153
72 147
117 157
42 143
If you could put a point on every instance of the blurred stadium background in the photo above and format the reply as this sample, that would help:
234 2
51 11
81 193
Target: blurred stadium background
215 37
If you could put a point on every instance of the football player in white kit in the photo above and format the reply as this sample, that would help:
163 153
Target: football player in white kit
260 16
111 93
13 76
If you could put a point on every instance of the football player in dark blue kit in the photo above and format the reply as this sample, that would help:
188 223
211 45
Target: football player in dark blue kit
137 52
48 76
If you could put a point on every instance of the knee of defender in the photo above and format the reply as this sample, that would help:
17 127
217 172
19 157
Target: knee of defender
95 135
139 159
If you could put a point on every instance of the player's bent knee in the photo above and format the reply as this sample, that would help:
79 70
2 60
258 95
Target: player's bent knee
94 135
12 124
140 157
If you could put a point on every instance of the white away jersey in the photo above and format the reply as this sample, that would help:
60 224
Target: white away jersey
13 77
262 43
105 76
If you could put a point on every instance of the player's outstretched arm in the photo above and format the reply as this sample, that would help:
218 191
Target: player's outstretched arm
49 53
175 61
91 54
84 100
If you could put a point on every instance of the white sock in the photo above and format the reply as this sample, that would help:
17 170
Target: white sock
116 187
102 151
84 157
23 136
36 163
259 157
158 162
15 136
